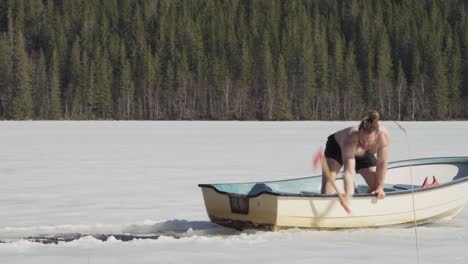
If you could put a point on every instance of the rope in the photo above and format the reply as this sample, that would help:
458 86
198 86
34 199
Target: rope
412 191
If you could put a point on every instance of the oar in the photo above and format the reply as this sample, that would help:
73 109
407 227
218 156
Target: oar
326 170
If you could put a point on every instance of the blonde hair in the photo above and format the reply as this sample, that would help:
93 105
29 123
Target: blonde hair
370 123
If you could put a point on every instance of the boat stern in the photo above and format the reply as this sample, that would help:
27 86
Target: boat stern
239 211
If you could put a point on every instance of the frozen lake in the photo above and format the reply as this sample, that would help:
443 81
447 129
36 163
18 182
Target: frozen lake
142 177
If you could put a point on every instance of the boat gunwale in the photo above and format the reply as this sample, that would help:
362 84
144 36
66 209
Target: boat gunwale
392 165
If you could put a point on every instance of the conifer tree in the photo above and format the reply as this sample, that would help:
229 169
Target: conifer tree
40 87
103 85
181 89
19 16
152 85
34 23
436 61
126 87
54 102
352 94
365 57
4 15
322 72
439 85
244 101
21 102
90 90
169 80
414 80
401 87
337 73
454 79
72 96
384 73
308 105
139 51
6 75
268 82
282 109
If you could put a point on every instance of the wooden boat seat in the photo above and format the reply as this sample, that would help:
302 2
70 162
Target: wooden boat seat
362 188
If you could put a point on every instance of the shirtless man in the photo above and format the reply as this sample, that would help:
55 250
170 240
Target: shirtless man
355 148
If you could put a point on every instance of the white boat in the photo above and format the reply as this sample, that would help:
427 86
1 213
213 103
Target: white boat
297 203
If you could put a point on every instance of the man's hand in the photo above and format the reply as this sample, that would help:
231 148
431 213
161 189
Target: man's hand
379 193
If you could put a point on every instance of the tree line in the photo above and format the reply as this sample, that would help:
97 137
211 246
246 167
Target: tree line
233 59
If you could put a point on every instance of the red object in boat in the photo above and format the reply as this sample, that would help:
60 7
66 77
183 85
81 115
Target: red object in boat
426 183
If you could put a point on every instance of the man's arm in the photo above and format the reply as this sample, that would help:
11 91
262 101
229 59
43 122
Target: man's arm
348 157
381 171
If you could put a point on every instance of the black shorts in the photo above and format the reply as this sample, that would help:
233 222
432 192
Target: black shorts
333 151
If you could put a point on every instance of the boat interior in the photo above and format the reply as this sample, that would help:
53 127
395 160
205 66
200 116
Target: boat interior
401 176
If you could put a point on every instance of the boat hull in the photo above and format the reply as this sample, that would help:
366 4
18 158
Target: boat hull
297 203
274 212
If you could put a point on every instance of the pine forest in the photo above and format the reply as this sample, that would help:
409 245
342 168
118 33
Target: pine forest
233 59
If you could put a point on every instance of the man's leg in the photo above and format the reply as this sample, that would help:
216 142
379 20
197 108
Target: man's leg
327 187
370 175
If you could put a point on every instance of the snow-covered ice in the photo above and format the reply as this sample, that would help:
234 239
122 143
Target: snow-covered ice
141 177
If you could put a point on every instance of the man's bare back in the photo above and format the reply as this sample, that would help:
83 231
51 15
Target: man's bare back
351 135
